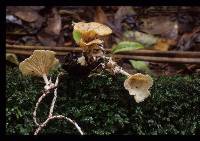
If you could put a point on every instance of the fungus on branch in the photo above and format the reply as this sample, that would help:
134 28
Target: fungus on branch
39 64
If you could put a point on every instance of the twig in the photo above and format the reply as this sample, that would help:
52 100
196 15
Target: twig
187 57
50 116
188 54
161 59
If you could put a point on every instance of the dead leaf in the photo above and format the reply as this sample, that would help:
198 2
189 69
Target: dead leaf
146 39
46 39
188 40
164 26
28 16
100 16
26 13
185 23
121 13
164 44
54 23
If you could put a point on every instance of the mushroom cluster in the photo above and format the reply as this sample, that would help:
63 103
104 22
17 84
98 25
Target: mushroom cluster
90 34
42 61
137 85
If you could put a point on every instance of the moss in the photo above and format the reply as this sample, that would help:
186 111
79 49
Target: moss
100 105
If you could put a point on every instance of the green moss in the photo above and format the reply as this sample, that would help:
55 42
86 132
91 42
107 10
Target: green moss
101 105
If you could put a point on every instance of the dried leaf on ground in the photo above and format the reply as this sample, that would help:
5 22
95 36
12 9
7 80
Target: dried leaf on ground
146 39
54 23
188 40
46 39
121 13
164 26
164 44
100 16
26 13
149 41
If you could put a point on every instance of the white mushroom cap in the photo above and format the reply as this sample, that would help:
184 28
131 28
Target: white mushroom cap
39 63
138 85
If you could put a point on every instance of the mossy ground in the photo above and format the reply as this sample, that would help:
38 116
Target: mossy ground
101 105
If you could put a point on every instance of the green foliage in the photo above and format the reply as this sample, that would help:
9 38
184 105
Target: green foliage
101 105
140 66
126 46
76 36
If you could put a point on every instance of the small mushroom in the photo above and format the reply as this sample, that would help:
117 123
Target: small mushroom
138 85
39 63
92 29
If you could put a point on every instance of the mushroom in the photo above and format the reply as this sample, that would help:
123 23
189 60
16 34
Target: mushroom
89 32
138 85
39 64
92 29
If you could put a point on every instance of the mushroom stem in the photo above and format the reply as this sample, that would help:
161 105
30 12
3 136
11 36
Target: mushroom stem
116 68
124 72
119 69
45 79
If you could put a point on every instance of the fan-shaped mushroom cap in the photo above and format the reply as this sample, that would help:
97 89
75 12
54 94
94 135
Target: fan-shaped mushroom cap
39 63
138 85
92 29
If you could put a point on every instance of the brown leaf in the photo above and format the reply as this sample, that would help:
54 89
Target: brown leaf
164 44
121 12
27 15
160 25
46 39
100 16
187 40
54 23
